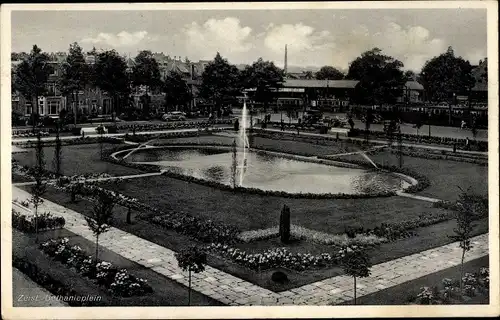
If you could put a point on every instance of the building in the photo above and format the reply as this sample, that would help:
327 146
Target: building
90 100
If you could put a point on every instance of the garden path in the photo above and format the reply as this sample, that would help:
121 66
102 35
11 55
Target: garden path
233 291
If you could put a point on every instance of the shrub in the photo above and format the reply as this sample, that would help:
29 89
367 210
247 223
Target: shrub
279 277
275 258
54 286
112 129
119 282
27 224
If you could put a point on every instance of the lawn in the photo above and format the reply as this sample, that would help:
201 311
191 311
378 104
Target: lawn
429 237
76 159
407 292
249 212
166 292
445 176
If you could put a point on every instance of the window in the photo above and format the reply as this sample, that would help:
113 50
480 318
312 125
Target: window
53 107
29 108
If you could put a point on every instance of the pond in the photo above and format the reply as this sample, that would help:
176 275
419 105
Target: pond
268 171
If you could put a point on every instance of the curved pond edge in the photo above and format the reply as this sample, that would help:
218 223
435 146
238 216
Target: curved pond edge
414 182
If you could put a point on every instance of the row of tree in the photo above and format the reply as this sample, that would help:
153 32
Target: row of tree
381 78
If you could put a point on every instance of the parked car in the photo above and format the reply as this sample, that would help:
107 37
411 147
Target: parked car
174 116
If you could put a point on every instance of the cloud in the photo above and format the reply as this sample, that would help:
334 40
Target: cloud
412 45
121 39
226 36
305 44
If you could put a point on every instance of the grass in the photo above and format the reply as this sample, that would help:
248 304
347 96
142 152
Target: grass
248 211
77 159
255 212
166 292
445 176
406 292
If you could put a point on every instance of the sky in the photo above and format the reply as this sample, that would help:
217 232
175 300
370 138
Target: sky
314 37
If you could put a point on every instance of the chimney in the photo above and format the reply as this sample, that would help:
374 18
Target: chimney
286 59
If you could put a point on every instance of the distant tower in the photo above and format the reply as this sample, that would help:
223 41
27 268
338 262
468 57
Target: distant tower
286 59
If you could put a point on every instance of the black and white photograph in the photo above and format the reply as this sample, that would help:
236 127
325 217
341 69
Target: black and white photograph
334 156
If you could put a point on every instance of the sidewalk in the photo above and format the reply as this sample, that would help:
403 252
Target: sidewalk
26 293
233 291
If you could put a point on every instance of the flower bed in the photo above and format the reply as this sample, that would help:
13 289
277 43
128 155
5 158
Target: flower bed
72 141
170 125
433 156
28 133
301 233
54 286
275 258
45 221
118 282
448 292
413 138
202 230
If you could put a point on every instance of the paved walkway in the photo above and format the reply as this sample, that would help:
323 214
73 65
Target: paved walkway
231 290
417 197
27 293
122 134
420 146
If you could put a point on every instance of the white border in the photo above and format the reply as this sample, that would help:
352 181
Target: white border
246 312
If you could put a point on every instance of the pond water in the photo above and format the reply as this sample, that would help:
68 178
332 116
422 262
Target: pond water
269 172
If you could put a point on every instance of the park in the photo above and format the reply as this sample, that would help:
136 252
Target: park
257 193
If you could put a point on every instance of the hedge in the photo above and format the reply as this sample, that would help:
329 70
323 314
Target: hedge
46 221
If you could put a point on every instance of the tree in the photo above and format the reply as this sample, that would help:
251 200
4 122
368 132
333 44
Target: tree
100 219
265 77
30 78
381 79
220 80
39 188
110 75
410 75
58 150
146 72
356 263
468 209
445 75
329 73
177 92
308 75
76 75
191 259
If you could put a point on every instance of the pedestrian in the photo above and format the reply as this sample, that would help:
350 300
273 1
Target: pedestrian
462 126
236 125
282 125
467 143
454 147
351 123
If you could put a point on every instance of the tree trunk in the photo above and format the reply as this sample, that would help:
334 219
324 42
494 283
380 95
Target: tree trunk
76 106
34 112
36 222
462 272
129 214
354 290
189 288
96 249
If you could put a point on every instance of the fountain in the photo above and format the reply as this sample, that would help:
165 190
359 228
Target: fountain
143 145
243 143
364 155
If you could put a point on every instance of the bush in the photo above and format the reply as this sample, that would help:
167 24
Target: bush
76 131
275 258
279 277
27 224
119 282
54 286
112 129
